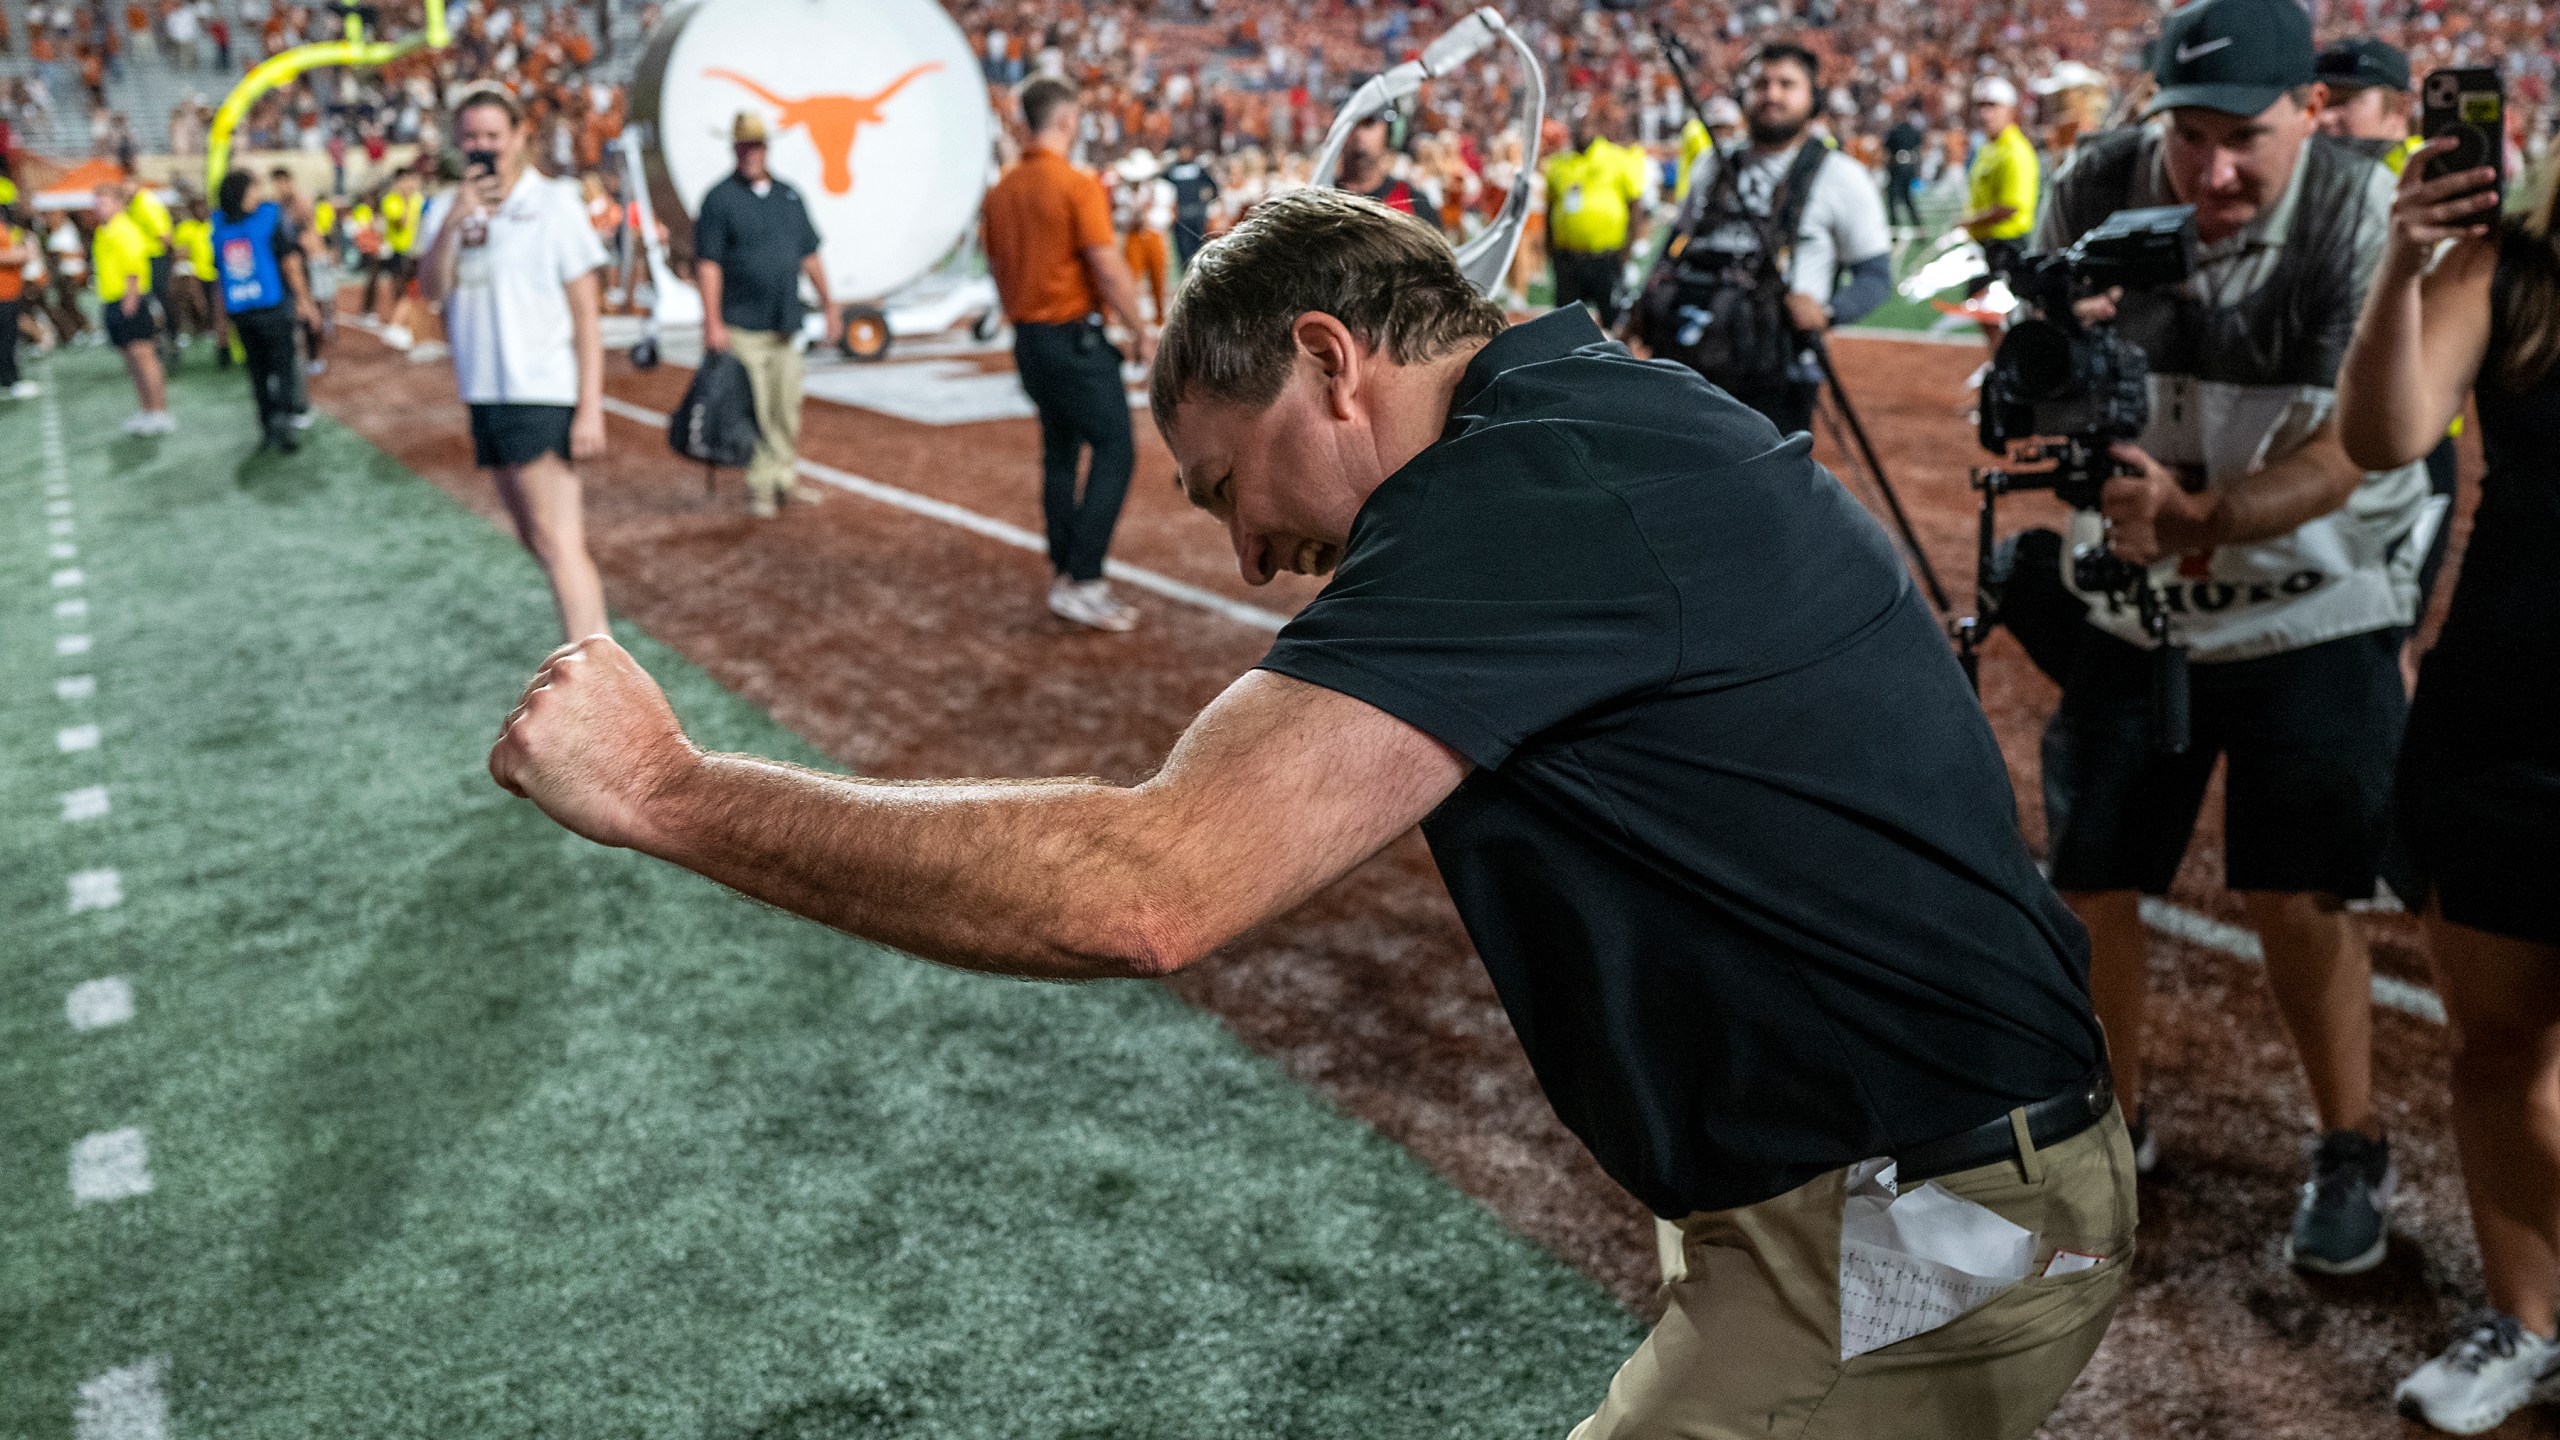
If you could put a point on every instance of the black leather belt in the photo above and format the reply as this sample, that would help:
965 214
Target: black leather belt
2049 1122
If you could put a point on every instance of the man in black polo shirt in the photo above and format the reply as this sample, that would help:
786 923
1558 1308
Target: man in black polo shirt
1706 785
751 246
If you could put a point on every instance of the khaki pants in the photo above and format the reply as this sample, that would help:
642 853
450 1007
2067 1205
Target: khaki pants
1750 1346
773 374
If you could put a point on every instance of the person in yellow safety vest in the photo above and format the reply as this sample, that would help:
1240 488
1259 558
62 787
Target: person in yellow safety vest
397 261
1595 197
120 265
158 226
191 278
2371 106
2001 184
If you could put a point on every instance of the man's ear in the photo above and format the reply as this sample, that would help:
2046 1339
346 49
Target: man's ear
1338 358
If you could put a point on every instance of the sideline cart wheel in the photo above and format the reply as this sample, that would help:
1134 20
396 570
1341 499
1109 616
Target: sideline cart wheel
644 356
866 334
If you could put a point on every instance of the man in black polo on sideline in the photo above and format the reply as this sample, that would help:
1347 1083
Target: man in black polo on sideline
1708 789
752 248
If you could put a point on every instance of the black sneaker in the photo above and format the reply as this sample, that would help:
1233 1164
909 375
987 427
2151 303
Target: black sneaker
2339 1228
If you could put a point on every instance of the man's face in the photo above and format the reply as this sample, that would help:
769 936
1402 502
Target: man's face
1993 117
1286 480
750 158
283 188
2232 167
1780 101
2368 112
1368 139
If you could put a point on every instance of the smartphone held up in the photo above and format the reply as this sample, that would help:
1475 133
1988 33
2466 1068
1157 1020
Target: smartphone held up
2470 106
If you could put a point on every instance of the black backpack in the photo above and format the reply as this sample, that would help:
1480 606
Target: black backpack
1725 316
715 423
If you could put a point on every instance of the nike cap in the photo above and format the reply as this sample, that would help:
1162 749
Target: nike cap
2363 63
2235 56
1992 90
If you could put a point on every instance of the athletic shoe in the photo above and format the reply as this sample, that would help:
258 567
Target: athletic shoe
2482 1378
763 506
398 337
301 419
427 350
25 390
165 424
140 423
2146 1146
804 495
1089 603
2339 1228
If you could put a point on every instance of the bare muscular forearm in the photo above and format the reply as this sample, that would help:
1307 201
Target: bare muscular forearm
1043 879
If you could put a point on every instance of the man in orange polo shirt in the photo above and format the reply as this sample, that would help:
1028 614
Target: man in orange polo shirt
1047 230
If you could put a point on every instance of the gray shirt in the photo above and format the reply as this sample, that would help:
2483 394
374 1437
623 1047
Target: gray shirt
1842 226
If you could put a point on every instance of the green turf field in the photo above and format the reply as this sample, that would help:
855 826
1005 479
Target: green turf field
459 1126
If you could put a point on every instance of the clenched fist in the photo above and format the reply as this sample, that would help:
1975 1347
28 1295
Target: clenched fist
593 742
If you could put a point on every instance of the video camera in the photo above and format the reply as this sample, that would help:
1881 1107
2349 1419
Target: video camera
2060 392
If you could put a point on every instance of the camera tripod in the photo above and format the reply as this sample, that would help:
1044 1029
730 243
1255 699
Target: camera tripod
1841 414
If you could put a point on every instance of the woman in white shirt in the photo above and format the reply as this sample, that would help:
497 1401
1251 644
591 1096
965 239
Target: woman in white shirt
514 264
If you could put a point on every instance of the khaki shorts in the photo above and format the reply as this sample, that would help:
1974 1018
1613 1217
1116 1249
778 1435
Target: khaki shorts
1750 1346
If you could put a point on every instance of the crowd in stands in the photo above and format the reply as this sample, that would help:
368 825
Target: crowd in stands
1246 88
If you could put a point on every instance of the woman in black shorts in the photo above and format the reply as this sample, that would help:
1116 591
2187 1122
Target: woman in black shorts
2479 788
514 263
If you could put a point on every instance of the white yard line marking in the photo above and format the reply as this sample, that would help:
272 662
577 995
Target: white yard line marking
64 550
86 803
57 507
57 527
74 608
70 644
95 890
97 1004
110 1165
71 739
2181 923
1002 532
75 687
124 1404
66 579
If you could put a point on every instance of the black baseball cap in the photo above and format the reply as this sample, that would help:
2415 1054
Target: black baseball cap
2235 56
2363 63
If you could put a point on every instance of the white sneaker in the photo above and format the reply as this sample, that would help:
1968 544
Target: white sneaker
2482 1378
140 422
25 390
164 423
427 350
302 420
1089 602
398 337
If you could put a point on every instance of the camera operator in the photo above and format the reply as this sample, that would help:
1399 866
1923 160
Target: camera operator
2479 782
1755 264
2290 579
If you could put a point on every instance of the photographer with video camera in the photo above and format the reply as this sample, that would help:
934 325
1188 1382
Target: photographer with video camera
2479 784
2278 563
1753 274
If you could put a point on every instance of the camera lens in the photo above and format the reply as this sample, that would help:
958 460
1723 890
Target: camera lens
2036 358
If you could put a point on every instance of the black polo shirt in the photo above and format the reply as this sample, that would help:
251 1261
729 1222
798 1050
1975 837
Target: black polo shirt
1738 849
758 241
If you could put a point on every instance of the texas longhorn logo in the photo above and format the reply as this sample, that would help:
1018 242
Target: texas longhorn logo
831 120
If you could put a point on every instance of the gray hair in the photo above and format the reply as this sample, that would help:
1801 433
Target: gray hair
1391 280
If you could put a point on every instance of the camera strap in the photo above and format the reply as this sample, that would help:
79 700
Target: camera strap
1776 231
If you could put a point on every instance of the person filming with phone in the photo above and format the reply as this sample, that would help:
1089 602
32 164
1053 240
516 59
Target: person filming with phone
514 266
2284 567
2479 780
